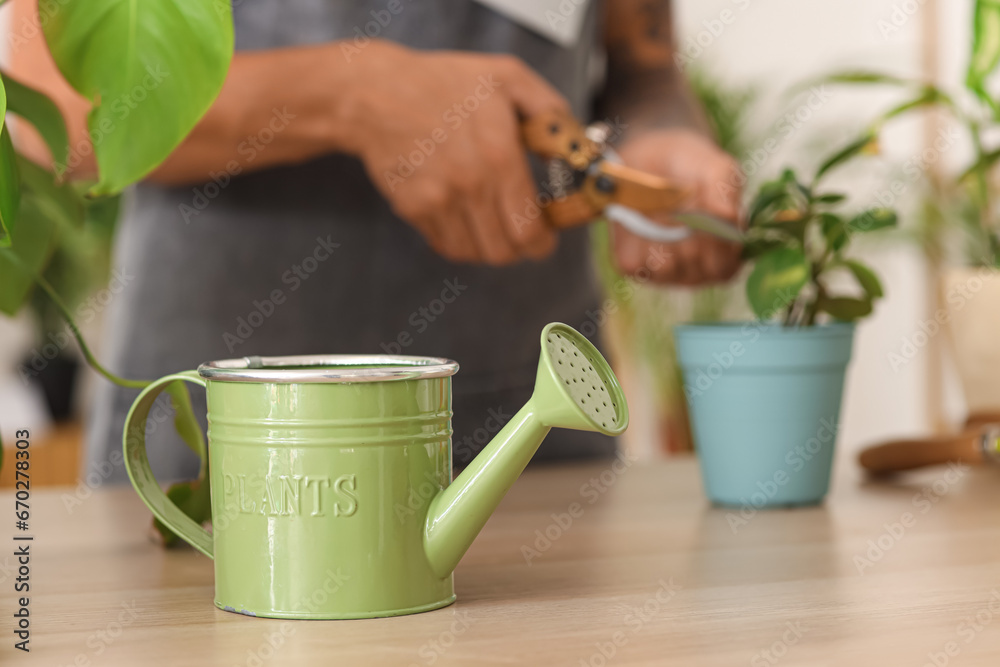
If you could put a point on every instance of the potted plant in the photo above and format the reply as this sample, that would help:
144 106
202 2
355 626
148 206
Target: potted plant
960 228
764 396
151 70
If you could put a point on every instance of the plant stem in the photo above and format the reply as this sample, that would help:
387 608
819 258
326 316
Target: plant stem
91 360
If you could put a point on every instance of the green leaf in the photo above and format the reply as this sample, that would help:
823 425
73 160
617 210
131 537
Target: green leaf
194 499
845 154
777 278
768 194
151 68
34 240
982 164
834 230
10 190
985 49
928 96
794 228
830 198
185 421
101 215
863 76
60 202
866 278
756 247
844 308
873 219
41 112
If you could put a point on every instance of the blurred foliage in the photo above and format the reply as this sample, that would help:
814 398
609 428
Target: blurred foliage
151 70
797 237
962 209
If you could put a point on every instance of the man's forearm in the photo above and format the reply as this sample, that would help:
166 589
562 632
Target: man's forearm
279 106
644 87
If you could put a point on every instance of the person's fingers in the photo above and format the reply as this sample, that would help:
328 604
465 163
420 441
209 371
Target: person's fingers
507 169
637 256
483 219
526 225
457 242
529 92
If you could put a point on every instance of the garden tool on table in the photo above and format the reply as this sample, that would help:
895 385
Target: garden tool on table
978 442
586 178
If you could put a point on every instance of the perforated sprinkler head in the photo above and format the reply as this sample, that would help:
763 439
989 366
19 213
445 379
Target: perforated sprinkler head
575 387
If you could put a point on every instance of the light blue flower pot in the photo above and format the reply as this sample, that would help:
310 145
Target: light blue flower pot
764 402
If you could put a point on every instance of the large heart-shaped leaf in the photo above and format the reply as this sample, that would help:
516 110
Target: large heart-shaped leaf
777 278
41 112
151 68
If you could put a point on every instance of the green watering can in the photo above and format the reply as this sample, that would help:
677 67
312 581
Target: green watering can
331 475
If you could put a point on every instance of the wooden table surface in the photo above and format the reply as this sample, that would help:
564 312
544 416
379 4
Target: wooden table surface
647 573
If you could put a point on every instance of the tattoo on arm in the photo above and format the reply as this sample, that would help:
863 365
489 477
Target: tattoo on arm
644 86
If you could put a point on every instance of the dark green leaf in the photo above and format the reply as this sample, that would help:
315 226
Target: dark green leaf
866 278
768 195
985 49
759 246
10 189
102 215
834 230
872 220
777 278
41 112
845 153
844 308
794 228
185 421
830 198
34 239
151 68
194 499
60 202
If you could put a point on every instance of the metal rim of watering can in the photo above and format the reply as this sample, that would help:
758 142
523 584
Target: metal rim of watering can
328 368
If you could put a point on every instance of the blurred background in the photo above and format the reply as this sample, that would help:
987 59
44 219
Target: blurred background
737 54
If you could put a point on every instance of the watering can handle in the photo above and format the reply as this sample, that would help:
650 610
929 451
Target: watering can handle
137 465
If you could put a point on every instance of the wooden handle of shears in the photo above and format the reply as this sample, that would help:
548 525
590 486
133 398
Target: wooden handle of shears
901 455
557 135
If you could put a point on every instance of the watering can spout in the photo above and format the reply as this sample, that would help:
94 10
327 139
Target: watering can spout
575 389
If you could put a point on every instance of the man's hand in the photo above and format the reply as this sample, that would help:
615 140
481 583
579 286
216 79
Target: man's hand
692 160
438 134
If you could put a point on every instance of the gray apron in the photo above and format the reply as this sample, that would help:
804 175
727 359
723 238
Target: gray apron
310 259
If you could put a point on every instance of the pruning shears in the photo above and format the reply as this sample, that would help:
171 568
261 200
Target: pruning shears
586 178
